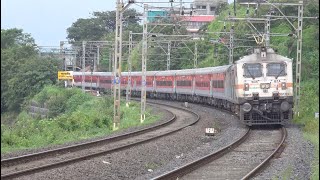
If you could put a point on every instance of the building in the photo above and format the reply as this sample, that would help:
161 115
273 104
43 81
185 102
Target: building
194 23
207 7
204 13
156 15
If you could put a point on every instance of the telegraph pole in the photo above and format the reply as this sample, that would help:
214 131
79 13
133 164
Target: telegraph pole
144 62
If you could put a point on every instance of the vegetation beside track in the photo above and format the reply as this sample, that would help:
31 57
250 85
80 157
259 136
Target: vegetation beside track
73 115
308 106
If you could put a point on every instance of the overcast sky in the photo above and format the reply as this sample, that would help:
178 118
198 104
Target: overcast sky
47 20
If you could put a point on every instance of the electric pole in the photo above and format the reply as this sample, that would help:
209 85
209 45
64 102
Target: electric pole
128 90
117 63
83 63
144 62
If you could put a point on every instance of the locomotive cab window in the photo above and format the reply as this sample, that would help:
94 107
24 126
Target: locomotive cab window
253 70
276 69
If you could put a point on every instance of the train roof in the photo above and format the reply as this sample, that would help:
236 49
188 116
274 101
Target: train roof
205 70
258 57
79 73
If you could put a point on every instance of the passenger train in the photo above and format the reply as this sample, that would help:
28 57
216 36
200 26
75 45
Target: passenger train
258 88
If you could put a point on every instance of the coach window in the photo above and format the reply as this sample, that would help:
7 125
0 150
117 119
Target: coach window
164 83
253 70
276 69
183 83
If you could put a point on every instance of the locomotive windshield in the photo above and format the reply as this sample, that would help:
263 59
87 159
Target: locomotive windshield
252 70
276 69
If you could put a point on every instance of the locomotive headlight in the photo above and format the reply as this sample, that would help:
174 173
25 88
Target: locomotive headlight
263 86
283 85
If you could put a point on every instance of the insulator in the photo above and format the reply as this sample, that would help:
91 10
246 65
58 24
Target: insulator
247 13
182 12
224 26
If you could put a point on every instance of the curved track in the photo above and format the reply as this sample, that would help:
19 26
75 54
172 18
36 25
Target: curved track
28 164
239 160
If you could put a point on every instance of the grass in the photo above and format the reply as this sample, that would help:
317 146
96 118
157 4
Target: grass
86 117
309 104
40 133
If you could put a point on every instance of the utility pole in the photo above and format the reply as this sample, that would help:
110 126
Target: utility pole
298 62
96 67
117 62
117 66
195 60
168 55
62 55
128 90
267 29
111 51
83 63
231 44
144 62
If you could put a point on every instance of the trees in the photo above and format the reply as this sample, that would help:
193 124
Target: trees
23 73
100 25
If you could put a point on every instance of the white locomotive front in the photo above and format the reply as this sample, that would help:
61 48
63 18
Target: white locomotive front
264 88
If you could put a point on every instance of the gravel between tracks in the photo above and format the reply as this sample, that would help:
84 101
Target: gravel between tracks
294 162
151 159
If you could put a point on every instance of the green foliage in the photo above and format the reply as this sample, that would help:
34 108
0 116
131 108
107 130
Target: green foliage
15 37
100 25
23 73
74 116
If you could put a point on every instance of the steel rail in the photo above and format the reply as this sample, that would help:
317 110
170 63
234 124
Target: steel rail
39 155
265 162
81 158
180 171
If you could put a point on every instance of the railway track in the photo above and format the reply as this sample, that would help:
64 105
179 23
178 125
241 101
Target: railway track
32 163
239 160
